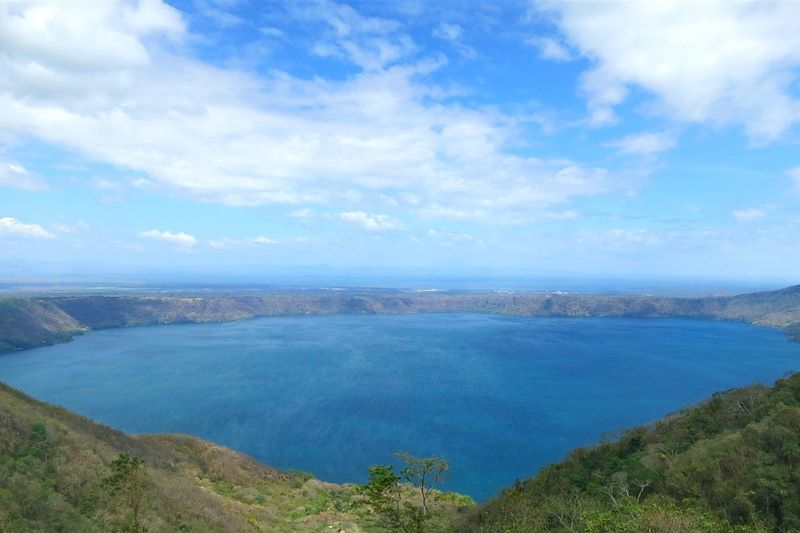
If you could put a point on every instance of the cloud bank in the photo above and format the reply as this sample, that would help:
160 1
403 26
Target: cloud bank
11 227
118 83
709 62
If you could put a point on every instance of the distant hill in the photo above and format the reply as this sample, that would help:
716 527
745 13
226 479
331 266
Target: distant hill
30 322
730 464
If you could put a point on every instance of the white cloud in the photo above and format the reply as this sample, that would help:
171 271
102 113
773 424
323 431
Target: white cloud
95 39
745 215
453 33
646 143
223 135
17 177
448 32
550 48
227 243
11 227
372 43
371 222
716 61
180 238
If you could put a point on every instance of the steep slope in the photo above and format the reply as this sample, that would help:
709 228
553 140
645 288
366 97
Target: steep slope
729 464
28 323
52 463
779 309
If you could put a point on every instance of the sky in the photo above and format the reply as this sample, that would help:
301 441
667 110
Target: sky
647 139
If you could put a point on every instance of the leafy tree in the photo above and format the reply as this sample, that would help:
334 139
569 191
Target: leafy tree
129 482
384 492
423 473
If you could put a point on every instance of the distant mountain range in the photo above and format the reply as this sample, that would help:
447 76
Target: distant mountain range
29 322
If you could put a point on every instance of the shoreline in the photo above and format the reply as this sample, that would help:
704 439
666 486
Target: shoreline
31 322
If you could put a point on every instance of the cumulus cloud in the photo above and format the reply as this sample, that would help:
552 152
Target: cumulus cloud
105 82
11 227
371 222
716 62
180 238
17 177
646 143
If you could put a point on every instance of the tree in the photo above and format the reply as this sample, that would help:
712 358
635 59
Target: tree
384 491
424 473
129 482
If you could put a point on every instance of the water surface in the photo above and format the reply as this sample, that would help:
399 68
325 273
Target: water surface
498 397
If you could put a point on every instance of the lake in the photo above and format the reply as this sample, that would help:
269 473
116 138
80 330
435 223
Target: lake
498 397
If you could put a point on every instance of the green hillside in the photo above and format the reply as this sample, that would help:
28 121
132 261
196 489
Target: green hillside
53 464
729 464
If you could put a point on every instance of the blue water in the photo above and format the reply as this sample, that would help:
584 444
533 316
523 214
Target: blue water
498 397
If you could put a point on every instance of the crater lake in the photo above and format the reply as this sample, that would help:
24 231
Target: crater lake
498 397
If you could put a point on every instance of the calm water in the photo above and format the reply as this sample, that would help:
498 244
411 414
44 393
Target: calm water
497 396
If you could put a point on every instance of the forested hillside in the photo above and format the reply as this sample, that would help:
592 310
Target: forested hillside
729 464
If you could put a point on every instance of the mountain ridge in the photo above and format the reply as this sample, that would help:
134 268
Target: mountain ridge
29 322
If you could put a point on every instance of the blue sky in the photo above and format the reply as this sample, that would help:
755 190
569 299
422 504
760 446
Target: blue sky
650 139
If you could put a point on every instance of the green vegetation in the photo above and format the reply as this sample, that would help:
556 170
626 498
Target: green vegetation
729 464
63 472
129 483
408 502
